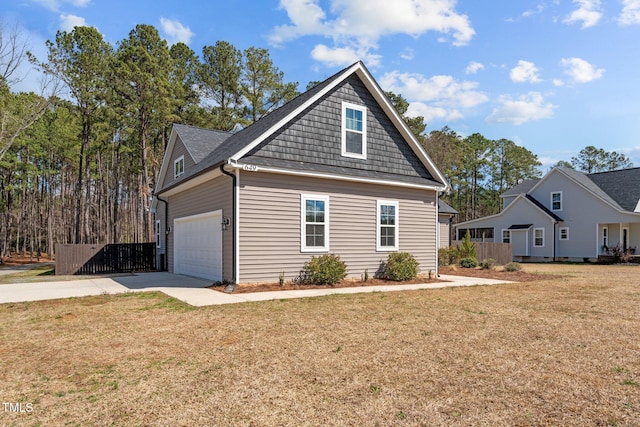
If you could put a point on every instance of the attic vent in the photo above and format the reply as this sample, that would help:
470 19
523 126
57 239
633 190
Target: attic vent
237 128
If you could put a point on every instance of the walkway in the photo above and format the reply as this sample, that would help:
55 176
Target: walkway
193 291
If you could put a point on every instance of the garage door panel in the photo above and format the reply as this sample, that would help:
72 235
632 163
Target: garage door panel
198 246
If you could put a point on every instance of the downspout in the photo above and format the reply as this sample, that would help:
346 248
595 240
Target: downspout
555 226
166 233
232 286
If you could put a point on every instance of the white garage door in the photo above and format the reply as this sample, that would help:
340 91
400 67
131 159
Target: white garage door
197 249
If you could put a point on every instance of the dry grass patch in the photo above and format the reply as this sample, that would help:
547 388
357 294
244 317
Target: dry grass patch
553 352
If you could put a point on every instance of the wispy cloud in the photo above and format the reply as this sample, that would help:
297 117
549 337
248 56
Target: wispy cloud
55 5
68 22
361 23
630 14
175 31
437 97
589 12
580 71
525 72
473 67
523 109
343 56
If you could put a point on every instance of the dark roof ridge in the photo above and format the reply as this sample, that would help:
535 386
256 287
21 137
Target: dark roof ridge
613 171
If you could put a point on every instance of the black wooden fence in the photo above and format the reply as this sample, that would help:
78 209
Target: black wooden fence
105 258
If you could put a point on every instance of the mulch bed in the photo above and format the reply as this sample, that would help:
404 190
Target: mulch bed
515 276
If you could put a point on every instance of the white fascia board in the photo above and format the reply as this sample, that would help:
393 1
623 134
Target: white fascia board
165 159
192 182
254 168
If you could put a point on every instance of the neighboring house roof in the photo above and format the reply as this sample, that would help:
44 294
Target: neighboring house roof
240 144
543 208
523 188
199 142
520 227
444 208
623 186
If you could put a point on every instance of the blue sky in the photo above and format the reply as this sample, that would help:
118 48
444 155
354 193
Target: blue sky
553 76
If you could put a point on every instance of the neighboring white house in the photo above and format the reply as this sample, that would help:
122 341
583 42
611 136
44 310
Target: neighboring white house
566 216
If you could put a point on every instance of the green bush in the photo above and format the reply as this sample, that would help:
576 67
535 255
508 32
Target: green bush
467 249
401 266
513 266
326 269
468 263
488 264
448 256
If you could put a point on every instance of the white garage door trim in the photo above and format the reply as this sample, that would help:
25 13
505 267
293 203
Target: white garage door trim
197 248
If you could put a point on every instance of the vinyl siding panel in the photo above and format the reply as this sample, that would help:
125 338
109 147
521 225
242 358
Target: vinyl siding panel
210 196
179 149
270 224
445 230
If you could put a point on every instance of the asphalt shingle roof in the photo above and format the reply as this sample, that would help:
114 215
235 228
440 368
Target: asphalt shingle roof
523 188
445 208
623 186
199 141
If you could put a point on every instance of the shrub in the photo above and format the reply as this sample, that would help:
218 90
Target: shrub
467 249
468 263
401 266
488 264
326 269
513 266
448 256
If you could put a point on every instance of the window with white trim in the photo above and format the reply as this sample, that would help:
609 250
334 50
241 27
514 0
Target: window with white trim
178 167
538 237
564 233
506 236
315 223
158 242
605 237
354 131
556 201
387 225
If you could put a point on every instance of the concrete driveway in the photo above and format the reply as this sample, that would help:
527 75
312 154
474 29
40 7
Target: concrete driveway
193 291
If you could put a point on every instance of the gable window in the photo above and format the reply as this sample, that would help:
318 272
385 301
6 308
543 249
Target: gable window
315 223
178 167
387 226
354 131
158 244
538 237
506 236
564 233
556 201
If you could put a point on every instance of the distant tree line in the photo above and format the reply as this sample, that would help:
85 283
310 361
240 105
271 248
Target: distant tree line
79 167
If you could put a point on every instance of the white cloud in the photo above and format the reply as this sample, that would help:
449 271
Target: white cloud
175 31
371 19
474 67
580 71
525 72
588 12
434 97
431 113
524 109
342 56
363 22
630 14
68 22
407 54
55 5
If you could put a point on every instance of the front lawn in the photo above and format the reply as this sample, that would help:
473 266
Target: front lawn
559 351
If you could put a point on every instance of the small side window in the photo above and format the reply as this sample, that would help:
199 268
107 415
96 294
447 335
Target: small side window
178 167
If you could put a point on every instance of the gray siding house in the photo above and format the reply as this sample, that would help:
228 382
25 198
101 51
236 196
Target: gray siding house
335 170
566 215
